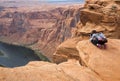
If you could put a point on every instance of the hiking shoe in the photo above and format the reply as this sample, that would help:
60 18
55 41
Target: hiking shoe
99 46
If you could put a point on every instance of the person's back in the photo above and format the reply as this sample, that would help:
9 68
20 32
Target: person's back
101 37
94 36
97 38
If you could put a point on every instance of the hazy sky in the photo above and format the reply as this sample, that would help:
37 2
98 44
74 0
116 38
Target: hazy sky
62 0
57 0
41 0
36 2
53 0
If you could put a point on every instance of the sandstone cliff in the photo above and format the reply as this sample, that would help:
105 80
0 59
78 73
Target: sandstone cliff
104 62
102 15
40 30
43 71
84 61
94 64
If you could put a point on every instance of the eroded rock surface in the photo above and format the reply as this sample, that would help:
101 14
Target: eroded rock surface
84 61
41 30
94 64
104 62
101 15
43 71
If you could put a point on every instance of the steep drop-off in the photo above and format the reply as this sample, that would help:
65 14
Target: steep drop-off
103 16
40 30
104 63
94 64
100 15
85 62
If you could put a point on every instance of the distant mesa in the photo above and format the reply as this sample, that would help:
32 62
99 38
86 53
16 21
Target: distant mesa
9 1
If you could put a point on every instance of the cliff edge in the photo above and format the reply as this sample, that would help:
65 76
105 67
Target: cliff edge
104 62
92 64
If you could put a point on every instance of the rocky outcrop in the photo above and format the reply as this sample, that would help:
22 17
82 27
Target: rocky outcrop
66 50
103 62
102 15
43 71
37 71
84 61
97 15
97 65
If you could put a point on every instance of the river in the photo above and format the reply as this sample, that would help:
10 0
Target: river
15 56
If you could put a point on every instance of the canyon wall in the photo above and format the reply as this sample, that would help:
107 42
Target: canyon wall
85 62
40 30
100 15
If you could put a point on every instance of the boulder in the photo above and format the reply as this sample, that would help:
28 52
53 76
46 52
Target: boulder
104 62
66 51
44 71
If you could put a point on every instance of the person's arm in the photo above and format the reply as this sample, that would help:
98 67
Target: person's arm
101 34
92 36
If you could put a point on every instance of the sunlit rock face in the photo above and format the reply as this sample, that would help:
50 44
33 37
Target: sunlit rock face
101 15
84 61
104 62
67 71
91 64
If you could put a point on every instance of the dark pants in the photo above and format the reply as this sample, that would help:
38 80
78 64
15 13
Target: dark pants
95 42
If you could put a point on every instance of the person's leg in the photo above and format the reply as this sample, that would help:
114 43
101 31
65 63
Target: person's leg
97 43
103 45
94 42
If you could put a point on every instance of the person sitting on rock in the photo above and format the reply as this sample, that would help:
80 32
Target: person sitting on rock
98 39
